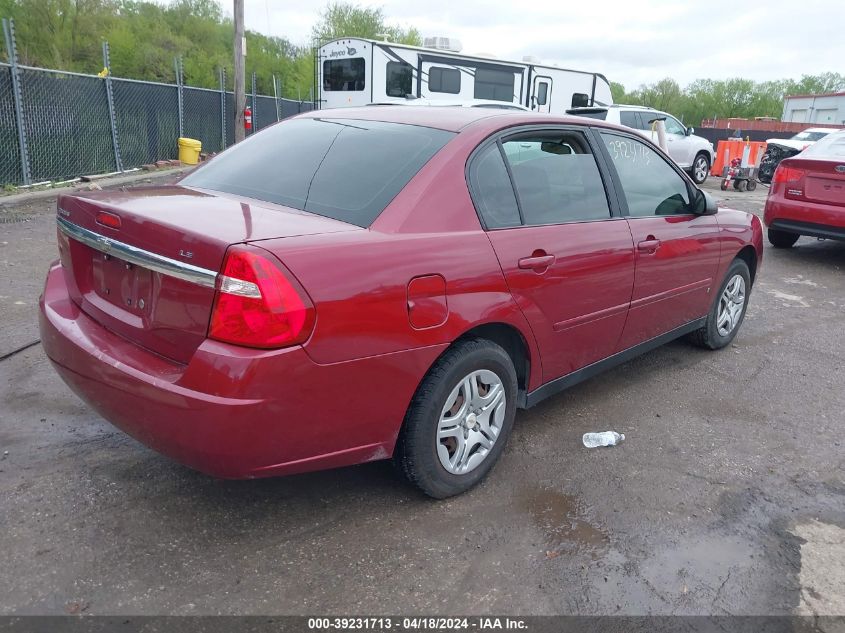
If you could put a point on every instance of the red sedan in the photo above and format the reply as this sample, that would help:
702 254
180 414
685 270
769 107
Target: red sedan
356 284
807 196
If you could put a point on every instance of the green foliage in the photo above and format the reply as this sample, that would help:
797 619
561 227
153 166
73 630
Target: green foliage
725 98
344 19
145 37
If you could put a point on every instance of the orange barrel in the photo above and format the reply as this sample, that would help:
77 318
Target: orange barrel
758 148
726 151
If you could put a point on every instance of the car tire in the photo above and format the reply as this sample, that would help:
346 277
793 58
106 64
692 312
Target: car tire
428 435
700 168
782 239
715 334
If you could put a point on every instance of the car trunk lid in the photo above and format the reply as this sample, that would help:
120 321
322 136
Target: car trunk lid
824 181
144 262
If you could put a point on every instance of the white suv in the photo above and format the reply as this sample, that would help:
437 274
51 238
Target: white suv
692 153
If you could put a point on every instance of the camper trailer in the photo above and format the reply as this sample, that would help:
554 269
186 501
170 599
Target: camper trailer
356 72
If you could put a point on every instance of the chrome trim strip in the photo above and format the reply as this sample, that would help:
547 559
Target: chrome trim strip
138 256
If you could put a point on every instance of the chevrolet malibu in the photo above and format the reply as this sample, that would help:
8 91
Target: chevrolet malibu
360 284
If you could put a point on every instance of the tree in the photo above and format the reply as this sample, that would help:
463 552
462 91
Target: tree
344 19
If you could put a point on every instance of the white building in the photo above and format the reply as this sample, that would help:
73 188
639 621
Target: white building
824 108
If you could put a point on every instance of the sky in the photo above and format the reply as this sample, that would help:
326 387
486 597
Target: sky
632 42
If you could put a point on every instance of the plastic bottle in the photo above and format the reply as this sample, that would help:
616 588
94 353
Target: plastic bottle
605 438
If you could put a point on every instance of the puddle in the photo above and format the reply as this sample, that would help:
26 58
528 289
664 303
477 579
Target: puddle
556 516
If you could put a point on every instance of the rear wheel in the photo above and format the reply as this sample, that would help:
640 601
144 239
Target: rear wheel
752 184
782 239
728 309
459 420
700 168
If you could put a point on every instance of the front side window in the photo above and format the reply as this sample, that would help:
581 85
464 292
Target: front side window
348 170
556 178
492 191
399 79
650 185
444 80
673 126
344 75
494 84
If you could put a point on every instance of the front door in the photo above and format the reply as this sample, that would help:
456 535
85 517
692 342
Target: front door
541 94
568 262
678 143
677 251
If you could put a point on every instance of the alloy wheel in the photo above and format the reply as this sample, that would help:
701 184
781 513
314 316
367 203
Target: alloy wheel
700 169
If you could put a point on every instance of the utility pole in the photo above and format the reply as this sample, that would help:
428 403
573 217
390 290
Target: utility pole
240 71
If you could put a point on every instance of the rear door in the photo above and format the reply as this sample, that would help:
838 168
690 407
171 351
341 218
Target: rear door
677 251
569 262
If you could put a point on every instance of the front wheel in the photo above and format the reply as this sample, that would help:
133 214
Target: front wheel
700 169
728 309
459 419
782 239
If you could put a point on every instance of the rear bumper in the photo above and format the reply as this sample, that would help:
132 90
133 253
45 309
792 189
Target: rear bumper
809 229
810 218
233 412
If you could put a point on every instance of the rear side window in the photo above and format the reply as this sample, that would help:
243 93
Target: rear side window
399 79
556 177
339 168
492 191
630 119
444 80
343 74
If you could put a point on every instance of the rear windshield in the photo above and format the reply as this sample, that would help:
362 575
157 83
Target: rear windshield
339 168
831 146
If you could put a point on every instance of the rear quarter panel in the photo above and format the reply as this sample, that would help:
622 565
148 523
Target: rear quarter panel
358 281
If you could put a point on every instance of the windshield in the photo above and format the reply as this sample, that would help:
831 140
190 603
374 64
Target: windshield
343 169
831 146
809 136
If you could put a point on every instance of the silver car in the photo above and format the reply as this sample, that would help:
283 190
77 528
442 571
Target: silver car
692 153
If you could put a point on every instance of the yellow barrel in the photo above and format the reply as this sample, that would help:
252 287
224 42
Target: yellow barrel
189 151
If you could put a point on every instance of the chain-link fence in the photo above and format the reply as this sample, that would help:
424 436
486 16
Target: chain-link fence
10 156
62 126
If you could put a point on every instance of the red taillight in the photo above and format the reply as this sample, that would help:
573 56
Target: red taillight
258 303
108 219
787 174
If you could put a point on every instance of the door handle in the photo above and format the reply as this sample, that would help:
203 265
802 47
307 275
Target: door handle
649 245
537 261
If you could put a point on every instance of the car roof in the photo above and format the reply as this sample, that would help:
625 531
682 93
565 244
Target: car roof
455 119
448 118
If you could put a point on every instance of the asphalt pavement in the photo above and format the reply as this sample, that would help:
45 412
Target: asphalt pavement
727 496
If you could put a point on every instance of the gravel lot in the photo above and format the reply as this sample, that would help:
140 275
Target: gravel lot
727 497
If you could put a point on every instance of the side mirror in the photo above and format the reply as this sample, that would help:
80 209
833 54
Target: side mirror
690 131
704 204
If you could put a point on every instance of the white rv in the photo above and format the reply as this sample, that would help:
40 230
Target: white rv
356 72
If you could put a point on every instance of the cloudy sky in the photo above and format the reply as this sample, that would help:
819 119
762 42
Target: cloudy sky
633 41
